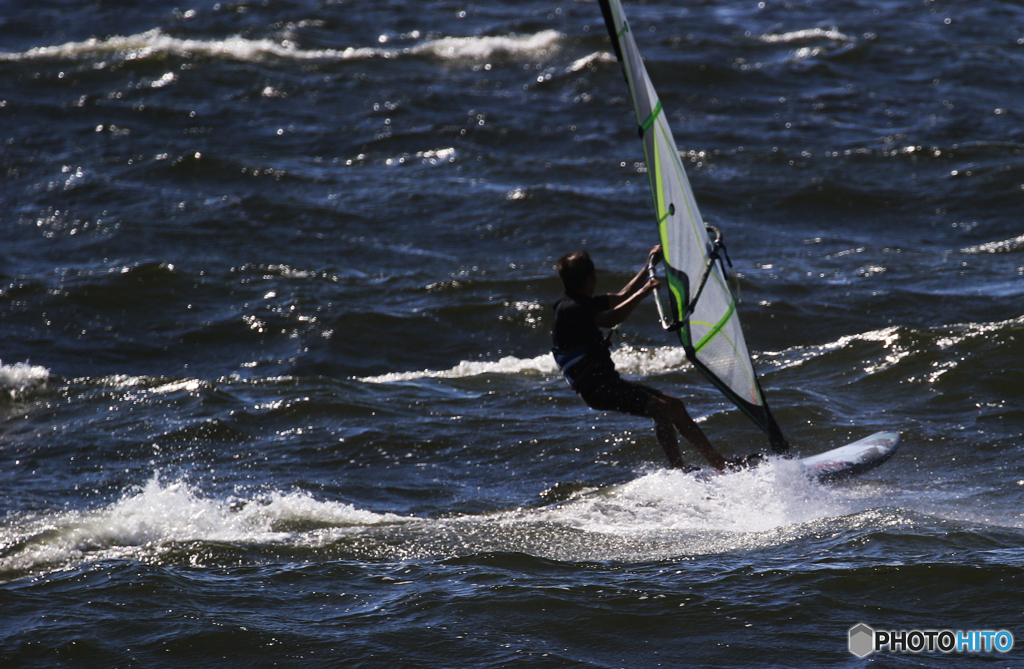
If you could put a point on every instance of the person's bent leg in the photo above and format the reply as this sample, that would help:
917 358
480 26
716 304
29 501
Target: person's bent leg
692 432
664 430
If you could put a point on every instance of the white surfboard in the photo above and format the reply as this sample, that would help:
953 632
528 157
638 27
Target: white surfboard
849 460
852 459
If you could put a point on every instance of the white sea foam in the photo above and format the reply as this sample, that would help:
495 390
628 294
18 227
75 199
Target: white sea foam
798 355
480 48
662 512
154 43
588 60
815 36
544 364
897 345
804 35
21 379
648 361
668 513
628 360
774 495
148 520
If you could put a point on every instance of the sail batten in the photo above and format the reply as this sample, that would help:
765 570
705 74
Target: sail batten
691 263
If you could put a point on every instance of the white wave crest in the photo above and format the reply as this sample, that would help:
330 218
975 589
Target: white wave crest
776 494
897 344
647 361
659 514
544 364
154 43
804 35
480 48
153 518
628 360
587 61
21 379
798 355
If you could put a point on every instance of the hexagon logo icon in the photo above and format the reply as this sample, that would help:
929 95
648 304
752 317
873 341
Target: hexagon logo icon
862 640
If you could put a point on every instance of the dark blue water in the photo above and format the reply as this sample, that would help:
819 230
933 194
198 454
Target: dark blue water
274 309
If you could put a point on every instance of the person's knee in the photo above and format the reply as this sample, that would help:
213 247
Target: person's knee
658 408
673 402
678 409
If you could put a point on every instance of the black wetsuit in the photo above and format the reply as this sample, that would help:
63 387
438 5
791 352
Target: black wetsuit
583 356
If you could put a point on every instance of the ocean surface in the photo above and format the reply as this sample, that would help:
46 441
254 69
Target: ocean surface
275 288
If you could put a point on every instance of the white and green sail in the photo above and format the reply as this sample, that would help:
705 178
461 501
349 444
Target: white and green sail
702 305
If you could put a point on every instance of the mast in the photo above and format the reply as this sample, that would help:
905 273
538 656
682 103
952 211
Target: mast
703 309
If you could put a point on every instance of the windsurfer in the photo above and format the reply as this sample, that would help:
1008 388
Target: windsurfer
583 355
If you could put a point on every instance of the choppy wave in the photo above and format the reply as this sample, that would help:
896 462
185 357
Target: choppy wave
799 355
21 379
1004 246
775 494
508 365
659 514
897 344
628 360
478 48
148 521
670 507
805 35
812 42
587 61
154 43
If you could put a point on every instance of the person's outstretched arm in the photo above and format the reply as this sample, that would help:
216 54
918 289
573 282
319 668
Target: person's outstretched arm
637 282
624 302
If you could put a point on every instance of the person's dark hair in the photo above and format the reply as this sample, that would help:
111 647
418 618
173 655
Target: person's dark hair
574 269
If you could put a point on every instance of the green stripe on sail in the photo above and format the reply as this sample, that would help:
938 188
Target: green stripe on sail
646 125
718 328
662 212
